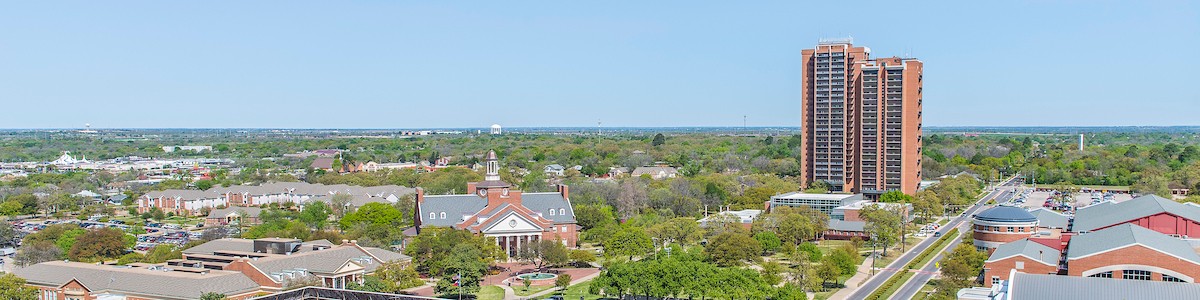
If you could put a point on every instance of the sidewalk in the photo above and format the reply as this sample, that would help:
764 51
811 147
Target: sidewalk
861 275
509 294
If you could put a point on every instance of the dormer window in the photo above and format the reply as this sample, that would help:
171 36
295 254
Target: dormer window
504 192
562 212
551 211
431 216
443 215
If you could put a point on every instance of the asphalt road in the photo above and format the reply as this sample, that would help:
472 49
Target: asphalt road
882 275
914 286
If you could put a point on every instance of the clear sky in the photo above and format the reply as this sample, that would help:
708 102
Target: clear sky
421 64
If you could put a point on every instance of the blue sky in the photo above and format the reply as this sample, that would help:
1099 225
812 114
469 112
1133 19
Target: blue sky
393 64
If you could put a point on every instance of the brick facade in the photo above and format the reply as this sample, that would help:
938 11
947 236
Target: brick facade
1133 257
1001 268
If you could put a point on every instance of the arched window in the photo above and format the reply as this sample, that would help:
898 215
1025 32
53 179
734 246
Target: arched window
431 216
443 215
1169 278
551 211
1135 274
1108 274
562 212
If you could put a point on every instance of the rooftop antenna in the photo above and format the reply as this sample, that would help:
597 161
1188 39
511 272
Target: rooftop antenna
743 122
598 126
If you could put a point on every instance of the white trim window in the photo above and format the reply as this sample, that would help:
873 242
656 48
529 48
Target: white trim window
443 215
432 216
1135 274
1108 274
1169 278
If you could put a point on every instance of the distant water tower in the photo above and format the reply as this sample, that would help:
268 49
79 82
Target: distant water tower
496 129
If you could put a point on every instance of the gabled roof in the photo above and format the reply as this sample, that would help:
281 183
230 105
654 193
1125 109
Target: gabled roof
1029 249
1125 235
1100 216
250 212
1050 219
455 207
141 281
1042 286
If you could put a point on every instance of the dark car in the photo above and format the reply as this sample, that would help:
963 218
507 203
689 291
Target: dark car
937 234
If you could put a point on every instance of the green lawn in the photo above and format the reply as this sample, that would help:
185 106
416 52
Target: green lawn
490 292
574 291
521 291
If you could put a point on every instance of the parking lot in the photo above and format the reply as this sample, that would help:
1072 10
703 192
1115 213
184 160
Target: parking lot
155 233
1038 199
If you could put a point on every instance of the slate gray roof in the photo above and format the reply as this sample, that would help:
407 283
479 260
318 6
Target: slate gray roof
251 212
1050 219
1030 249
140 281
1098 216
455 206
544 202
225 244
839 225
1042 286
1128 234
241 245
1004 213
326 261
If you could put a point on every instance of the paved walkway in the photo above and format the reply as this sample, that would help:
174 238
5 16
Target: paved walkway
509 294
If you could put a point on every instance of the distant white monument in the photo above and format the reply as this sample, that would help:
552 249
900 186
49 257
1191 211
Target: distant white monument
496 129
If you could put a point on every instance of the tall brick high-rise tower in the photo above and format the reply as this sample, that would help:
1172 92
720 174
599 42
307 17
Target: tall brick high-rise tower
861 119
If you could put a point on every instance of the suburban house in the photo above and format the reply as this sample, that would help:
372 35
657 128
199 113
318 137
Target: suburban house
554 170
656 172
233 215
492 208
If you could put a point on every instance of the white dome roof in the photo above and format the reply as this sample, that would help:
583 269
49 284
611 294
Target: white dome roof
495 125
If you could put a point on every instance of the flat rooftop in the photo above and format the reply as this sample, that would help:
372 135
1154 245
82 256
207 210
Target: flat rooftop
811 196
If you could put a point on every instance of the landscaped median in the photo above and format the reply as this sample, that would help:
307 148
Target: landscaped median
892 284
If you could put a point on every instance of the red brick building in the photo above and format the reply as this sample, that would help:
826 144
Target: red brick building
493 209
1132 252
861 119
1002 224
1152 212
1022 255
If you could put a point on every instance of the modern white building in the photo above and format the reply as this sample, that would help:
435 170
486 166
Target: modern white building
821 202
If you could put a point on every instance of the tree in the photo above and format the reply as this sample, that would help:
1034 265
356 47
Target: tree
770 272
315 214
433 245
372 213
895 197
463 271
161 253
398 276
769 241
8 235
14 288
37 252
579 256
562 281
302 280
884 224
543 252
99 244
732 248
630 241
828 271
658 140
212 296
681 230
340 203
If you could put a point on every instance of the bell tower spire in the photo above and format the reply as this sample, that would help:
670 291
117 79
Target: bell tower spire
493 167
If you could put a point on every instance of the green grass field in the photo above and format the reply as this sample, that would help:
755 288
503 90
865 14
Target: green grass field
490 292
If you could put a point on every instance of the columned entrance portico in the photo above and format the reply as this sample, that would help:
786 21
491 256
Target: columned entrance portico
511 243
